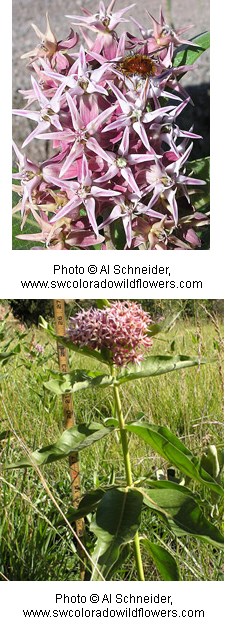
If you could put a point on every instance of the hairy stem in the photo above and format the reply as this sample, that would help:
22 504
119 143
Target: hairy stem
129 480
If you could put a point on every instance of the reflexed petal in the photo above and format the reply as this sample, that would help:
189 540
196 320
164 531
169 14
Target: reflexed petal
124 144
140 130
89 204
128 176
171 197
44 125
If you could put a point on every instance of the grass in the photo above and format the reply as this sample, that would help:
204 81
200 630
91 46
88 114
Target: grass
35 544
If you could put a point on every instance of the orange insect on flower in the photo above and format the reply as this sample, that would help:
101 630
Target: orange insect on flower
138 64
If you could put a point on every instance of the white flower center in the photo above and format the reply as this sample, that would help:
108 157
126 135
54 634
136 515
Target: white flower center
83 191
121 162
136 114
46 114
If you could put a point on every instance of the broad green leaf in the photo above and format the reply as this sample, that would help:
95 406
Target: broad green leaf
82 379
200 169
87 504
66 342
163 560
210 461
189 54
183 514
163 325
164 484
116 522
72 440
169 446
77 381
101 356
123 555
156 365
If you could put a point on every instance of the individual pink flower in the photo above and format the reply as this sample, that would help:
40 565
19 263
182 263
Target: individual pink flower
48 114
82 192
50 49
162 35
164 180
103 24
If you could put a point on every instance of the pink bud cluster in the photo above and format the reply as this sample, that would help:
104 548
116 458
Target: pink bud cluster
121 330
110 111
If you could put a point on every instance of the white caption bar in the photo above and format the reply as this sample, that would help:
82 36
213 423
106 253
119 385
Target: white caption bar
150 607
111 275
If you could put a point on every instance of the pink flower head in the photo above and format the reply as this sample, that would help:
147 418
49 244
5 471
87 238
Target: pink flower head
120 329
118 154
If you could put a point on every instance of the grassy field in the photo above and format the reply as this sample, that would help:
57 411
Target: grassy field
35 544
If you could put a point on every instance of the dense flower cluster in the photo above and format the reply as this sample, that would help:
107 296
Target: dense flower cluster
110 111
120 329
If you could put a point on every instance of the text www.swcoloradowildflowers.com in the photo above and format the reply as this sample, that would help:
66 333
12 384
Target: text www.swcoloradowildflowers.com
139 612
124 283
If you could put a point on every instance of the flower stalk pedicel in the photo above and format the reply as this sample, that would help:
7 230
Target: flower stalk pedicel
110 109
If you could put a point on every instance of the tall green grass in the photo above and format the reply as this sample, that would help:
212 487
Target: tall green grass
35 543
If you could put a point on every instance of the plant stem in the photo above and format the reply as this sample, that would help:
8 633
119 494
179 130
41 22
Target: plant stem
129 480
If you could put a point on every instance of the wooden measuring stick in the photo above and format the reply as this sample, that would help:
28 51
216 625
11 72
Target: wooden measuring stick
69 417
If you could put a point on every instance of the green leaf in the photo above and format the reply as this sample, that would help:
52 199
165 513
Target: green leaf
163 325
169 446
66 342
72 440
210 462
116 522
183 514
85 351
102 303
6 355
156 365
117 234
200 169
189 54
87 504
169 485
77 381
163 560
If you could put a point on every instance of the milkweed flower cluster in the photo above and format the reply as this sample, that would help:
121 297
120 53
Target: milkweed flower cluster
110 110
120 330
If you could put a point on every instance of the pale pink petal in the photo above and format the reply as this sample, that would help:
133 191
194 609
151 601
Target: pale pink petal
90 207
124 144
140 130
128 176
111 172
93 145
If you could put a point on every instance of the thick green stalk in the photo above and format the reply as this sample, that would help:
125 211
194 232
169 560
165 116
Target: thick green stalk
129 480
